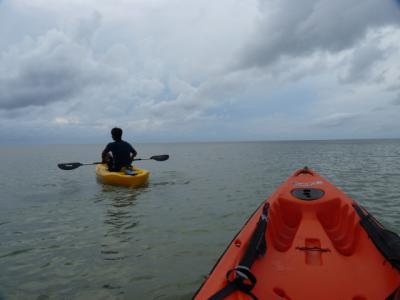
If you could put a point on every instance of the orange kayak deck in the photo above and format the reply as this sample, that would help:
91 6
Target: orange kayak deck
316 249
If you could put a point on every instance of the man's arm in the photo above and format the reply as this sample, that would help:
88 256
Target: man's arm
104 154
133 153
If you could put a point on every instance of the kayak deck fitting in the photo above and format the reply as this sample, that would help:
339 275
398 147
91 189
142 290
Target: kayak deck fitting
308 241
120 178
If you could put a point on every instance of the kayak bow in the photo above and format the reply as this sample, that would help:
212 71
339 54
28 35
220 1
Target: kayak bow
308 241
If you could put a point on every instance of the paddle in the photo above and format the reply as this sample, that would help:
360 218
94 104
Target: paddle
74 165
155 157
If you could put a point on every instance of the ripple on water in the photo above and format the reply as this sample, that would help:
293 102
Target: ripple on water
16 252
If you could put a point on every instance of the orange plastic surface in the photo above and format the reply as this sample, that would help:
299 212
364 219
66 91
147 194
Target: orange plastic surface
349 268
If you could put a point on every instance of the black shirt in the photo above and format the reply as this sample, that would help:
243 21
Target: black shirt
121 151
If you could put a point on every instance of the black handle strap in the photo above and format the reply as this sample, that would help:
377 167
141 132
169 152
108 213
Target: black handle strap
386 241
240 279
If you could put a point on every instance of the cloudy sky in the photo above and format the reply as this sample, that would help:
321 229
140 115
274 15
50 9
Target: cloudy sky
198 70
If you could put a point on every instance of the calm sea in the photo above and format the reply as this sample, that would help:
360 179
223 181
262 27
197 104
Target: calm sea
65 236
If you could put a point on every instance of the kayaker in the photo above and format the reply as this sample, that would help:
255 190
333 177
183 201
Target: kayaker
122 152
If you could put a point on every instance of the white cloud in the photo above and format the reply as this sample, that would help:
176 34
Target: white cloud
63 121
336 119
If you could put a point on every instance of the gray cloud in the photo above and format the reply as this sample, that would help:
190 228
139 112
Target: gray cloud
84 29
298 29
53 68
396 100
363 59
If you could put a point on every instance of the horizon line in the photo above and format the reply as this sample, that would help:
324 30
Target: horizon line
208 141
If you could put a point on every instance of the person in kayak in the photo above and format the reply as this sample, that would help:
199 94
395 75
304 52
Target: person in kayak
122 153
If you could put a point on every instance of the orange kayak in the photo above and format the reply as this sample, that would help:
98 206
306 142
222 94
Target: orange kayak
308 241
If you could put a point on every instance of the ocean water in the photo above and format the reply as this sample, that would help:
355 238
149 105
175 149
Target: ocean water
65 236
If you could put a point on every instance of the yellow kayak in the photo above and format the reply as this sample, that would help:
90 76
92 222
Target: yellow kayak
120 178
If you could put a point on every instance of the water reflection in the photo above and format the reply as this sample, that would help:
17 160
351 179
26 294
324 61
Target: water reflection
120 222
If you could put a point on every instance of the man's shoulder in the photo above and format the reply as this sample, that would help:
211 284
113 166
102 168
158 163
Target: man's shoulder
126 143
110 145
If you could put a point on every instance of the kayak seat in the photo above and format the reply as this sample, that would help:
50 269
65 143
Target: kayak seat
341 225
333 213
284 222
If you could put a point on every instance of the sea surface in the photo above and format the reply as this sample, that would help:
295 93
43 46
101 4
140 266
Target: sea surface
65 236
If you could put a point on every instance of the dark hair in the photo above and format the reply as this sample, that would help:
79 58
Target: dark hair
116 133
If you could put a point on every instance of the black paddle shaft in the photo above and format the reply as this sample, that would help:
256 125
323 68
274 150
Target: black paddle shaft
74 165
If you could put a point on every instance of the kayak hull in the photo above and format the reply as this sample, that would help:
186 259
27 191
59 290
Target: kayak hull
120 179
316 249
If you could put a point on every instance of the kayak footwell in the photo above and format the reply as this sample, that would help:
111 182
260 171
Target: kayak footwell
316 249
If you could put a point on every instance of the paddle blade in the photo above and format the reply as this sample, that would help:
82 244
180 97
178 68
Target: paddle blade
69 166
160 157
